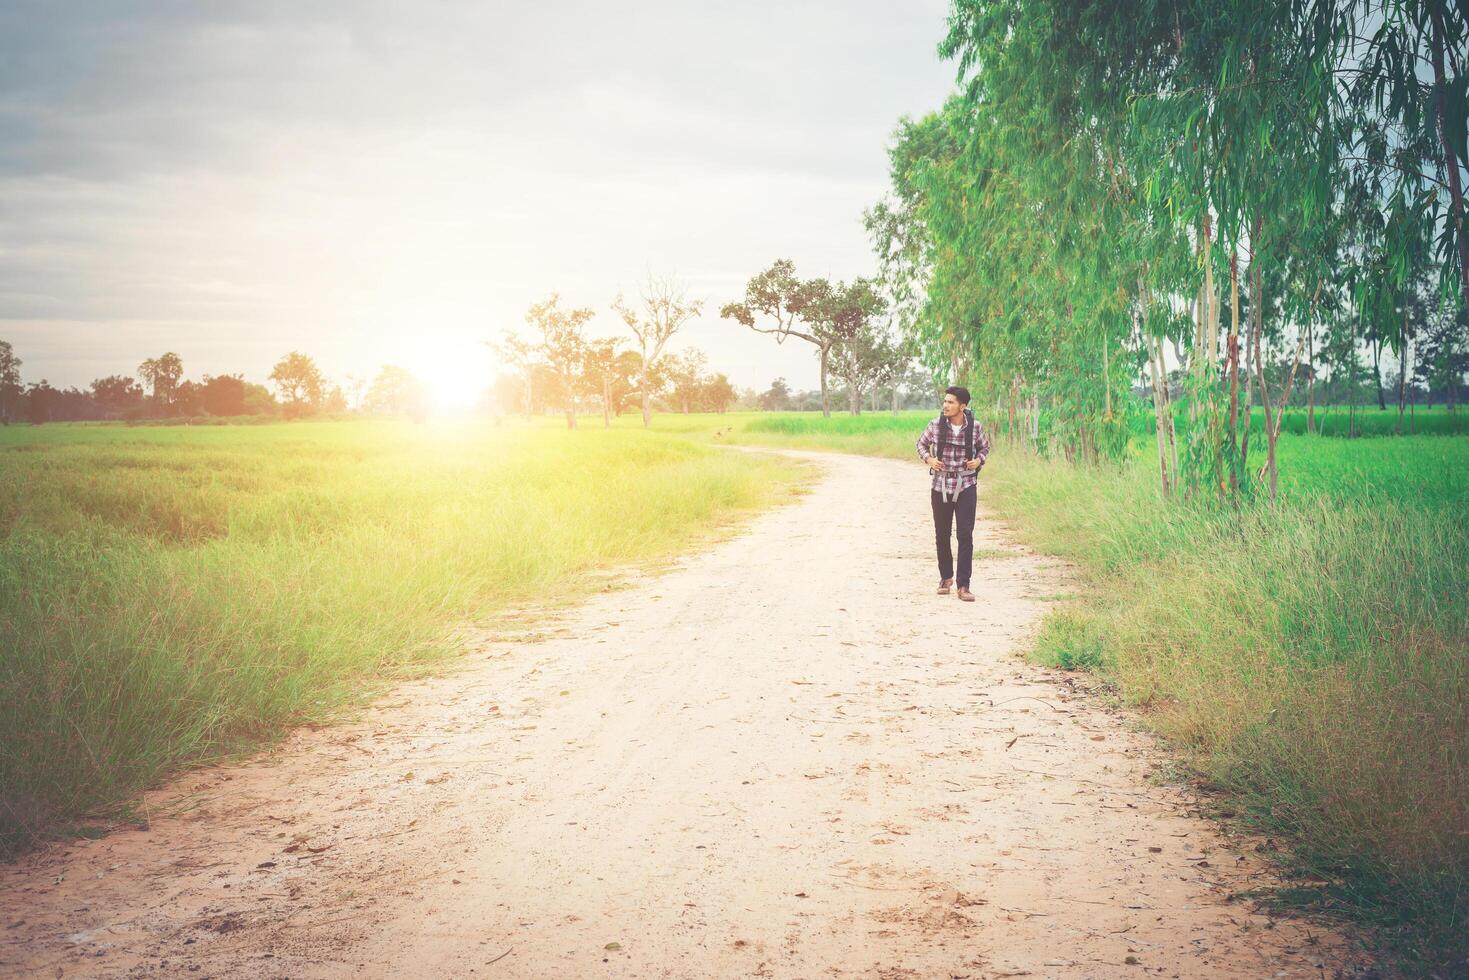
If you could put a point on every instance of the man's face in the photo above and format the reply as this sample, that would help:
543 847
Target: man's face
952 408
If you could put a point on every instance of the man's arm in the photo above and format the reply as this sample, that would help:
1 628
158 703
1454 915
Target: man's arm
928 438
981 444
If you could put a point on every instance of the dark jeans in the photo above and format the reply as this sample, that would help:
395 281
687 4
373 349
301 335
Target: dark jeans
944 512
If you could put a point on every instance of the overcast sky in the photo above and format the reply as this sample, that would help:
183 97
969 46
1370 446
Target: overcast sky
392 182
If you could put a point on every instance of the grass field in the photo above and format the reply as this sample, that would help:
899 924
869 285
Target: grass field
1311 658
1339 422
169 595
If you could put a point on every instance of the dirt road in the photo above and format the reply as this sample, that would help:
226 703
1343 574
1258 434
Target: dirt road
785 758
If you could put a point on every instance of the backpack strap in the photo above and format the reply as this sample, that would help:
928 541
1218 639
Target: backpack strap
943 436
968 435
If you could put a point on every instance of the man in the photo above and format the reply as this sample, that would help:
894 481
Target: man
954 446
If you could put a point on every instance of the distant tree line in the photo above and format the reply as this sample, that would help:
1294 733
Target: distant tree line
553 367
160 391
558 368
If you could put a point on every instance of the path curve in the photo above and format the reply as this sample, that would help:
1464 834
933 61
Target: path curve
785 758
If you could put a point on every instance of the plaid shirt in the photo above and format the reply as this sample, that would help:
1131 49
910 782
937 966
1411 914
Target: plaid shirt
954 478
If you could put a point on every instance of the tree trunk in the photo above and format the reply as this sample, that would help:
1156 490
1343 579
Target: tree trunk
825 397
1451 163
1377 370
606 402
1403 371
1311 380
1233 368
1168 414
1211 335
854 399
1352 380
1158 422
1256 352
647 402
895 398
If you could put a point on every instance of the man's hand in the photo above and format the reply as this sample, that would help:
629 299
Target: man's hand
974 464
935 464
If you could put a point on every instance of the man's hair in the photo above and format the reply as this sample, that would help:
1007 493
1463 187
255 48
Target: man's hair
960 393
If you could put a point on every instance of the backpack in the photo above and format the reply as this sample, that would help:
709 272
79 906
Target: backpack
968 435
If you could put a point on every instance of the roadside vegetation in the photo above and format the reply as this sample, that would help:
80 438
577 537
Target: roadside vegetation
172 595
1310 658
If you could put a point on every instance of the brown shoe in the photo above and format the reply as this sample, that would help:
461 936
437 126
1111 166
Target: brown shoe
965 594
944 586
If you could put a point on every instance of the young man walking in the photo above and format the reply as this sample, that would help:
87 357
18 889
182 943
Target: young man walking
954 446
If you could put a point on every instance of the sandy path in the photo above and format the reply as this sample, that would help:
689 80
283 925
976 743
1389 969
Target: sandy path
788 758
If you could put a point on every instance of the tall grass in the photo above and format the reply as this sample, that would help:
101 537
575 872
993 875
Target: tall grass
170 594
1312 657
1339 421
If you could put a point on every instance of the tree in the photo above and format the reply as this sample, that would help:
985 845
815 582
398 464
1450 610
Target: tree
353 391
601 364
562 346
223 394
10 387
666 309
524 357
395 391
300 383
162 374
258 400
40 401
1443 353
334 401
716 393
860 354
776 398
784 299
115 394
684 372
188 399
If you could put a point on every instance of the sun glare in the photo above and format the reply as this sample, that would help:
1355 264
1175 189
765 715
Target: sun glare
456 376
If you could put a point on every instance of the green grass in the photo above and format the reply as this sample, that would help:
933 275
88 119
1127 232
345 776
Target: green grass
1312 658
169 594
1336 421
875 434
172 594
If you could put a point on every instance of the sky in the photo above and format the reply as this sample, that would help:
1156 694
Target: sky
376 182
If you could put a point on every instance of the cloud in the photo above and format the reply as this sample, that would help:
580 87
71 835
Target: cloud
311 173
